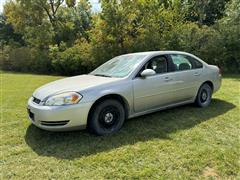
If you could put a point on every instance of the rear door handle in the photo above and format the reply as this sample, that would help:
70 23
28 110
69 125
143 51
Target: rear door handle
196 74
167 79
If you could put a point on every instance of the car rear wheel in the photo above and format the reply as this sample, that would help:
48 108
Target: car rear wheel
107 117
204 96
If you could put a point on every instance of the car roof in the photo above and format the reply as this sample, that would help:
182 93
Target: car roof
158 53
155 53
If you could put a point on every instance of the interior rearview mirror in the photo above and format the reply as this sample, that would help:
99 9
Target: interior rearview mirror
148 72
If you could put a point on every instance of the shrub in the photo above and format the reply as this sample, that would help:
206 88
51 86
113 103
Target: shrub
213 46
230 51
72 61
25 59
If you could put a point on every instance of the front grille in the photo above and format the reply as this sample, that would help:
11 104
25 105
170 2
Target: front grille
54 123
36 100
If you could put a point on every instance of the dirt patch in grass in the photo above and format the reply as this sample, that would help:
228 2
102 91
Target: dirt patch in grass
210 172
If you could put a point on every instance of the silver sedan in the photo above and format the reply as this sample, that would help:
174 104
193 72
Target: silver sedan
124 87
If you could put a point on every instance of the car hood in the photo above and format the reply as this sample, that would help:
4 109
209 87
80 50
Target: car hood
75 83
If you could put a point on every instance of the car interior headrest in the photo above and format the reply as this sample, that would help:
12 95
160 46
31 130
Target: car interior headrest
184 66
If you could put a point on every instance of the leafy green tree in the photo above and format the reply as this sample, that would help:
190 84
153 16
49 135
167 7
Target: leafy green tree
49 7
32 25
115 28
7 34
71 3
204 12
232 15
45 22
130 26
74 23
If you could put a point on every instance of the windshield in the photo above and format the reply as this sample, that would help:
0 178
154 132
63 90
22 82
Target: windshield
120 66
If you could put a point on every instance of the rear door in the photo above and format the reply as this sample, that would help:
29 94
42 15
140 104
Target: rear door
187 74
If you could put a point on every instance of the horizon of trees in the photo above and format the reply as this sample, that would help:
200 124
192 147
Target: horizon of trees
65 37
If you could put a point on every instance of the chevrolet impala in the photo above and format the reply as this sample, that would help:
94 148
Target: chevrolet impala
124 87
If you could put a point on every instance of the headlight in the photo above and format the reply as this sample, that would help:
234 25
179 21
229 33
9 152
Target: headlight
63 99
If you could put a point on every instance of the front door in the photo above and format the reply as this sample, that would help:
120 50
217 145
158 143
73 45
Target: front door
153 91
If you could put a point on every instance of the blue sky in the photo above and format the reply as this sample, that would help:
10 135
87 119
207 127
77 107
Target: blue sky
95 4
1 5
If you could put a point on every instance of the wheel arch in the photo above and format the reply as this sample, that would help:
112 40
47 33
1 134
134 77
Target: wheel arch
117 97
210 83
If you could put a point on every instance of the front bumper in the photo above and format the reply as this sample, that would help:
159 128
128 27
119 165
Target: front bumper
59 118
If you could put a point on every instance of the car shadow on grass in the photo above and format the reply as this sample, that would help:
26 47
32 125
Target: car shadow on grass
70 145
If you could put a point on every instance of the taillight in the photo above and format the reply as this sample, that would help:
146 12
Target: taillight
219 71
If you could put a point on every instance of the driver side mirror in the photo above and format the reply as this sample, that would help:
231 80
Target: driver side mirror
148 72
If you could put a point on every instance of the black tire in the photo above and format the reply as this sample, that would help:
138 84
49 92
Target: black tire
107 117
204 96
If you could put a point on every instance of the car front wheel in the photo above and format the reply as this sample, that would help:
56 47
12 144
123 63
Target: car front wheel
107 117
204 96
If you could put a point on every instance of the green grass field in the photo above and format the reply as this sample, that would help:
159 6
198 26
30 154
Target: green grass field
180 143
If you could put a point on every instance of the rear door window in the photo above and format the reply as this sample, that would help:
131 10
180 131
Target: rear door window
184 62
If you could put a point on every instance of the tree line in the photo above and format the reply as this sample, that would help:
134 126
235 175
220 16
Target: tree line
65 37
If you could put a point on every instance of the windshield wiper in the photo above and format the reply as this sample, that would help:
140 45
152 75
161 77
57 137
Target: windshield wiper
102 75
